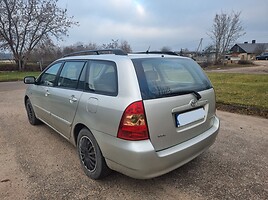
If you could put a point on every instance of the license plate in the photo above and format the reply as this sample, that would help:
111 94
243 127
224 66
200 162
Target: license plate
189 117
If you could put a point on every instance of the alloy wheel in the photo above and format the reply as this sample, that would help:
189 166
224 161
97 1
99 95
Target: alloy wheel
87 153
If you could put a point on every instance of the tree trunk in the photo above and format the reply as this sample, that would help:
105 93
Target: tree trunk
20 64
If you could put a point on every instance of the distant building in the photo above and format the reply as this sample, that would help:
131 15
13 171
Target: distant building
248 51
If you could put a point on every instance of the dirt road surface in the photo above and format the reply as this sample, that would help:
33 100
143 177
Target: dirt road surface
260 67
37 163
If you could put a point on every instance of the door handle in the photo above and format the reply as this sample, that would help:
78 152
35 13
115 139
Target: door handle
73 99
47 93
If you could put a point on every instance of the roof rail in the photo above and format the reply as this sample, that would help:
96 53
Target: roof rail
97 52
158 52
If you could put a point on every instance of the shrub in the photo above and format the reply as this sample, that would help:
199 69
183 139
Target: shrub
30 66
245 62
205 64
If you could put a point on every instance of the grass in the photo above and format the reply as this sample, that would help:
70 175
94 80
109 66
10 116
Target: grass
245 91
16 76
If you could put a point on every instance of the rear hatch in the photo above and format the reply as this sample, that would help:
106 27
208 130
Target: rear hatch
178 98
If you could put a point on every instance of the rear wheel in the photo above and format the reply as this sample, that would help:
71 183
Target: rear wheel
91 158
30 113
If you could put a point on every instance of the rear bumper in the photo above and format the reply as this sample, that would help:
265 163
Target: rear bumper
139 159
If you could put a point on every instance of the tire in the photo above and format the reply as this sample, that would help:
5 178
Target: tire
90 156
31 114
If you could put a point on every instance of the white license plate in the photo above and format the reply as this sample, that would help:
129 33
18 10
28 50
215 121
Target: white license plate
189 117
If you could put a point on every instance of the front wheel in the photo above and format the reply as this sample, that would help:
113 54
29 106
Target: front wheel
91 159
30 113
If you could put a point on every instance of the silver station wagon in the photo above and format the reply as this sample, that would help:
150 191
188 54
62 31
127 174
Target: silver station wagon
142 114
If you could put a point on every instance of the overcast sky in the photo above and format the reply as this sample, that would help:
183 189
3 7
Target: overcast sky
156 23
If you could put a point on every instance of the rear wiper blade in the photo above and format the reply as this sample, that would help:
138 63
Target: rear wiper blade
196 94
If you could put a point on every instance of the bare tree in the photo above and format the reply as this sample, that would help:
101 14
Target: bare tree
125 46
226 29
165 49
208 52
260 49
91 46
112 45
44 53
26 23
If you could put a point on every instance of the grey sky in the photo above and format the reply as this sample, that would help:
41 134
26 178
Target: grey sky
157 23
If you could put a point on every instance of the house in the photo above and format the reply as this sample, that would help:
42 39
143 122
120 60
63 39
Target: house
248 51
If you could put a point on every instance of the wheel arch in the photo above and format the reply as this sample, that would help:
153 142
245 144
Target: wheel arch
76 130
25 99
78 127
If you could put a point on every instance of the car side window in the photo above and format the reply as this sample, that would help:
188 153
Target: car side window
48 78
102 78
70 74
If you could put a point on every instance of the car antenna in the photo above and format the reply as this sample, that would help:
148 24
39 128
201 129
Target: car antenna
148 49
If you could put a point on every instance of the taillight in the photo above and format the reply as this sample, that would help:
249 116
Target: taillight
133 124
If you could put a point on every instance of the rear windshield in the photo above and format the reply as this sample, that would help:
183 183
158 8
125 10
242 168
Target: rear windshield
162 77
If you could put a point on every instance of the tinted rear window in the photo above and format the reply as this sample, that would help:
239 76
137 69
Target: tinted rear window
161 77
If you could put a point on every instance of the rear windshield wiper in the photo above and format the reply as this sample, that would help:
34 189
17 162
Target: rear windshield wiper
196 94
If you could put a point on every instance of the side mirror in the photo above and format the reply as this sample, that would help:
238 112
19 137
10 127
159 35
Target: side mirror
29 80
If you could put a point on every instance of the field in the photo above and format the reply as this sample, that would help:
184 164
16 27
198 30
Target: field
242 92
16 76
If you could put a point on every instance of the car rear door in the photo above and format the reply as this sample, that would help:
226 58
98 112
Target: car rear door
65 97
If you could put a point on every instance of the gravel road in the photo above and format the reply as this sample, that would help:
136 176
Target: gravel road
260 67
37 163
